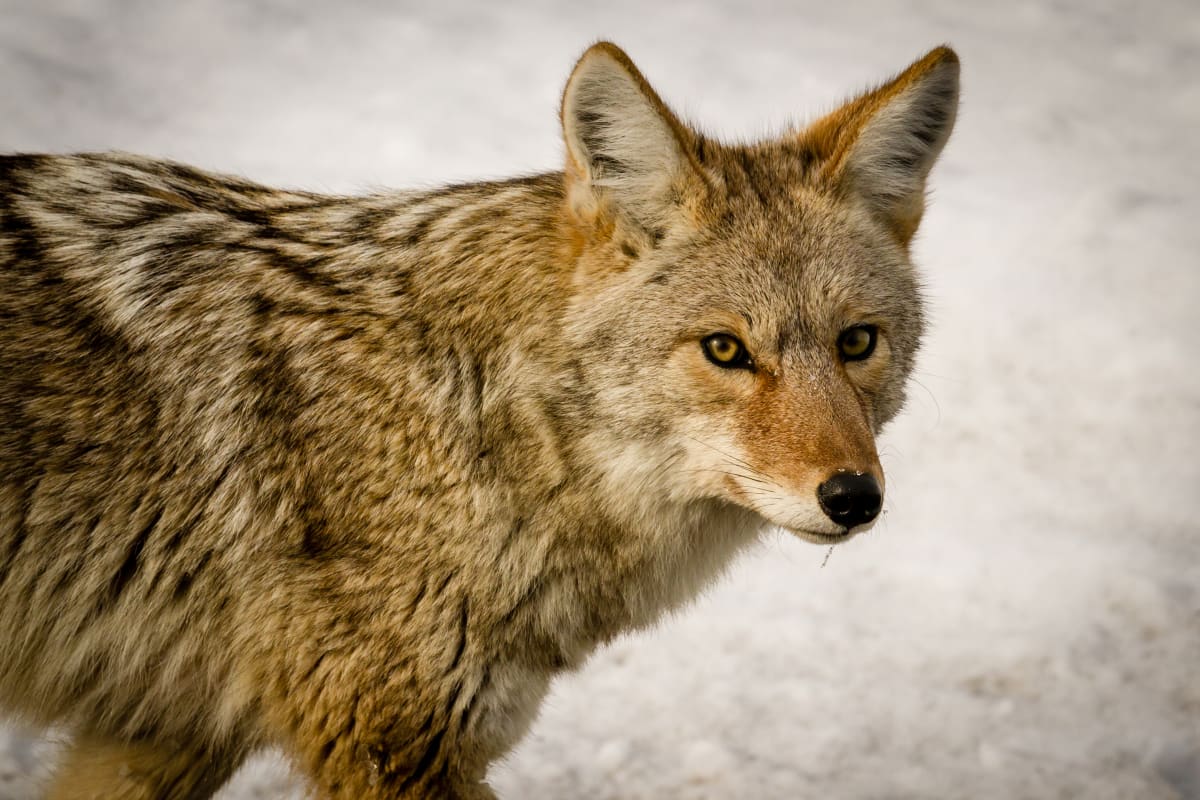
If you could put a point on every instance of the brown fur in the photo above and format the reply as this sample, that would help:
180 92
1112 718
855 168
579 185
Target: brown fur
357 476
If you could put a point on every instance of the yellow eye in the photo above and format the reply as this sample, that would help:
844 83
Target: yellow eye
726 351
857 343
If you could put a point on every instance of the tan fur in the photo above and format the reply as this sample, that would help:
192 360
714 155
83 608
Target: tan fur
357 476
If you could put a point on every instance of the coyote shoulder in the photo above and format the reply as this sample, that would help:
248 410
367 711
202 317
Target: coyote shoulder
356 476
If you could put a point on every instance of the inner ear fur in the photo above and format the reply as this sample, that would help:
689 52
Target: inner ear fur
628 155
879 147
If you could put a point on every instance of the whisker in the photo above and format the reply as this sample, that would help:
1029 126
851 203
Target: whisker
931 374
932 397
730 456
769 485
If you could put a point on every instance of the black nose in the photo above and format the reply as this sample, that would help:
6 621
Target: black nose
850 499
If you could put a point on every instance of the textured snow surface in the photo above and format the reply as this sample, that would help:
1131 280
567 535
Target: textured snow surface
1025 623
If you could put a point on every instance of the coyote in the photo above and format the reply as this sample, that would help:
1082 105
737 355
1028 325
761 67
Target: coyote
357 476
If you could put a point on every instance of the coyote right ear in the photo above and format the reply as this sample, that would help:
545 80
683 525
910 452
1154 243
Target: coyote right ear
624 146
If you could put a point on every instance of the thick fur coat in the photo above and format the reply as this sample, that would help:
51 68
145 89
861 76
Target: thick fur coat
356 476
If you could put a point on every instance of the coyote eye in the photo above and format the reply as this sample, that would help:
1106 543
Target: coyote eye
726 351
857 343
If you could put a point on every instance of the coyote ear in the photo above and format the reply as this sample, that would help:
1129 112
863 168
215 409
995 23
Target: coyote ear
881 146
624 146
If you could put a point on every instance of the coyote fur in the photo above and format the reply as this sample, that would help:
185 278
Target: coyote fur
356 476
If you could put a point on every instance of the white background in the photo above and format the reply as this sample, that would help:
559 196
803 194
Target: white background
1025 622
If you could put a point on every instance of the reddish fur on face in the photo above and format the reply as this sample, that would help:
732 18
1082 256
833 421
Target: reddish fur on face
801 435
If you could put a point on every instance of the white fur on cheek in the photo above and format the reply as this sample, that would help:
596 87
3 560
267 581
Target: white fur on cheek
796 514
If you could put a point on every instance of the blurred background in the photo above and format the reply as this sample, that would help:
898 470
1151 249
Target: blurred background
1025 621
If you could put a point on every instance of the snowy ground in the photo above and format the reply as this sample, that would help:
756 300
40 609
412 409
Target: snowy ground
1026 622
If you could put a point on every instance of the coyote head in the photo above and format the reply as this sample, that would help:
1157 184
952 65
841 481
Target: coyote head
749 312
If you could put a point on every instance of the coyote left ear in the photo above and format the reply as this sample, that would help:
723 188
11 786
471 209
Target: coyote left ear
881 146
624 146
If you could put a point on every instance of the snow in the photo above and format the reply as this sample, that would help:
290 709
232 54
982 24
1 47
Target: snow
1025 623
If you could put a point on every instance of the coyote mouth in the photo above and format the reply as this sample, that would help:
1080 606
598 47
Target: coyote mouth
825 538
